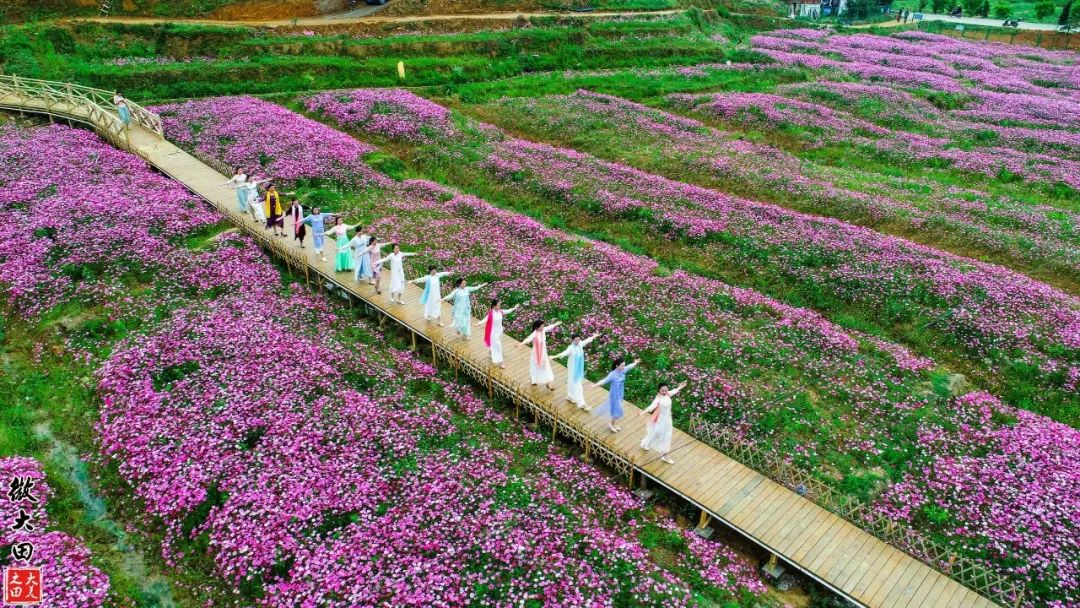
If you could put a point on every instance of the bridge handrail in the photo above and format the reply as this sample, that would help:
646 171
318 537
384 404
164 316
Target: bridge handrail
98 103
1001 589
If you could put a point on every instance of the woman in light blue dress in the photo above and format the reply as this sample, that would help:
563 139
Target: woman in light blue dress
317 221
617 378
362 258
463 307
575 368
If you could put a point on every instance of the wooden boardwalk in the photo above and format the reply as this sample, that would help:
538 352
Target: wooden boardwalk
821 544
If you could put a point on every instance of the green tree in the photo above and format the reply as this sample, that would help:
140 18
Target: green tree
971 7
1002 11
937 6
1065 10
1043 9
984 8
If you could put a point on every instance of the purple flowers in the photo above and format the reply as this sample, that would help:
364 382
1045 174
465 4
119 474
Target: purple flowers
315 462
70 579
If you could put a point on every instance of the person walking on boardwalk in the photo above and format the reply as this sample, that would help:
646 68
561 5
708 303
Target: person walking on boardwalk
540 371
374 255
238 183
432 296
493 330
359 247
317 221
251 191
343 261
575 369
122 109
462 312
296 214
612 408
397 272
275 213
658 427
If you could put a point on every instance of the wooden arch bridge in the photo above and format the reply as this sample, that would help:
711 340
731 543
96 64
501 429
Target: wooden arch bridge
798 520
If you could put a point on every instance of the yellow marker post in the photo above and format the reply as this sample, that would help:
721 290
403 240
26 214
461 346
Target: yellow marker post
401 70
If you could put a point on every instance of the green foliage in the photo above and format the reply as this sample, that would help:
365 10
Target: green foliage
1001 11
1043 9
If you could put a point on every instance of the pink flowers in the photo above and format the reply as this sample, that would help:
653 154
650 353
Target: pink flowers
265 138
70 579
309 459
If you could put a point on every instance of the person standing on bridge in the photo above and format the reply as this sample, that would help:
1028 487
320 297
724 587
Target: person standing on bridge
359 246
462 312
237 182
296 213
343 261
540 371
432 296
493 330
122 109
317 221
658 428
575 369
275 214
617 379
397 272
374 255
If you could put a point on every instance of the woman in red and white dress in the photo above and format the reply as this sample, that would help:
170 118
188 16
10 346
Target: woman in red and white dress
493 330
540 371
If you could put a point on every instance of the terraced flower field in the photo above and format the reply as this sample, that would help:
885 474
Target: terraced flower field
860 250
858 409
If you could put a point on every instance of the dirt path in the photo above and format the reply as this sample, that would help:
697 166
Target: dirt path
339 20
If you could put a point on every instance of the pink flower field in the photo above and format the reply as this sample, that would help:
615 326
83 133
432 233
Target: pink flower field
69 578
984 310
734 345
306 459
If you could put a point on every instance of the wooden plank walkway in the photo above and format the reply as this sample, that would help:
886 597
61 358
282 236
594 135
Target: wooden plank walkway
821 544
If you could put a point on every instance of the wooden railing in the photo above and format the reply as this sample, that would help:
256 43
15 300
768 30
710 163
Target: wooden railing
964 570
85 104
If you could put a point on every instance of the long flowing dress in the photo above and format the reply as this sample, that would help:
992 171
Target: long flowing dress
617 379
540 371
493 332
343 260
432 296
397 271
275 215
575 368
296 212
318 230
374 255
238 182
462 312
359 247
658 428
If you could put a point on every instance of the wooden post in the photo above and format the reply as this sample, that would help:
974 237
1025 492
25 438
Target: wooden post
1019 598
413 341
554 427
434 356
587 444
703 520
772 562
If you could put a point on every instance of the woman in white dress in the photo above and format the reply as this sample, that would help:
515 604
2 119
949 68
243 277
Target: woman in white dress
540 371
575 369
658 427
397 272
432 296
493 330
